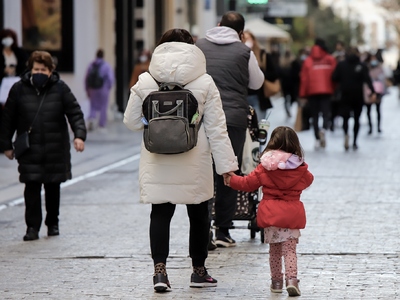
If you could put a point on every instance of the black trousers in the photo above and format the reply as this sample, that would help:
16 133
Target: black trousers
320 104
225 197
160 220
378 112
33 204
351 106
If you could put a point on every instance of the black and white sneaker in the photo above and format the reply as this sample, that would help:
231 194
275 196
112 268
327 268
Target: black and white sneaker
197 281
225 241
161 283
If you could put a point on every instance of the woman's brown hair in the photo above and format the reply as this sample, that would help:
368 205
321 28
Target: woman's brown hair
176 35
285 139
256 47
41 57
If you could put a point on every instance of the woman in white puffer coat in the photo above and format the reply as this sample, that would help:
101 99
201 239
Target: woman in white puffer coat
186 178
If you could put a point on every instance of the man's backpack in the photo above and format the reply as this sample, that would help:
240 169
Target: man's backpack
171 118
94 80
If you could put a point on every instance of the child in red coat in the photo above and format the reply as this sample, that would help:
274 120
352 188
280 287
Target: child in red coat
283 175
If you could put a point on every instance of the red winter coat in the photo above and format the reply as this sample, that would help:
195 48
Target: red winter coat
316 73
281 193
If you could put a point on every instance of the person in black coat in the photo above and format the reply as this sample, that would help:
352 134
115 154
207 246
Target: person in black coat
351 74
12 58
48 160
289 75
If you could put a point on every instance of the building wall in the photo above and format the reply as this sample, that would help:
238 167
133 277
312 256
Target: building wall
93 29
12 17
177 15
206 16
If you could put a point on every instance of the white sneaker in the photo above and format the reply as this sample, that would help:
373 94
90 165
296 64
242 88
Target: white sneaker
317 144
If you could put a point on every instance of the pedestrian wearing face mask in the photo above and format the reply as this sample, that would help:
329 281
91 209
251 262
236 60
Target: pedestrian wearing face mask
41 103
378 78
12 58
141 66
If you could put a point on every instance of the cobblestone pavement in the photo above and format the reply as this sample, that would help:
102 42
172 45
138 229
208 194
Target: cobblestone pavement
349 249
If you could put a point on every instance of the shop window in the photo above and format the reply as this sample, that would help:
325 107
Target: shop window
48 25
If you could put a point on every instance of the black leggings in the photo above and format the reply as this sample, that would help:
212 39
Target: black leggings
160 220
378 113
33 204
320 104
356 109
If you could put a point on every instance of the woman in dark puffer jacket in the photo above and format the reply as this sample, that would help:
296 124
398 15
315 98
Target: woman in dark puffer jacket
48 160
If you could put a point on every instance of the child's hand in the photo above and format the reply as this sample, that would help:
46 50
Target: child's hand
227 178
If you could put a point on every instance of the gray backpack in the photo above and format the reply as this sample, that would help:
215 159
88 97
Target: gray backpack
171 118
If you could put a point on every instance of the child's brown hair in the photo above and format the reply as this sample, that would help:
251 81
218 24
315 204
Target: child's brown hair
285 139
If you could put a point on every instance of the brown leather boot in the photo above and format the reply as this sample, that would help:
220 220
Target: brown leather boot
276 286
292 287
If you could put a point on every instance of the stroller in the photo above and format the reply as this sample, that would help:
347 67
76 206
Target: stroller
247 203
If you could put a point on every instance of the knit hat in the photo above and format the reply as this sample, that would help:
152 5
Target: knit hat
321 43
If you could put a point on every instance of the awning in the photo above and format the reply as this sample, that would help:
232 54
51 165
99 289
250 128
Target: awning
264 31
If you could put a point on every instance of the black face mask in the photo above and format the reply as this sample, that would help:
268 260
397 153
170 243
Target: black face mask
39 80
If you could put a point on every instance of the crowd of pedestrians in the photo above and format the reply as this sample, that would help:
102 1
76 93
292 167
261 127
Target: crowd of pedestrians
335 87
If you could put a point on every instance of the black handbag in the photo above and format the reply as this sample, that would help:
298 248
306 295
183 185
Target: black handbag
21 143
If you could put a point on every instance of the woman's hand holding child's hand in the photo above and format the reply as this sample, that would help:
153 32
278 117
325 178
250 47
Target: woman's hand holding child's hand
227 178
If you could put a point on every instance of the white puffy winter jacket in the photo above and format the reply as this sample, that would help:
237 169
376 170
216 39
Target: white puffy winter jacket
185 178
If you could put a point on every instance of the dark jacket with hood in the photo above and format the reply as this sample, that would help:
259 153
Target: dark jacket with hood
48 159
